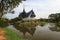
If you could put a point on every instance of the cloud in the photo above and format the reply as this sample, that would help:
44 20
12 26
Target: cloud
42 8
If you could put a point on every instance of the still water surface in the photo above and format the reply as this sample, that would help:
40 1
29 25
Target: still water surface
39 32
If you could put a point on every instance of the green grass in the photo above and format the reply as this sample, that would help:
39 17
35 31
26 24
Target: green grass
42 23
30 24
12 35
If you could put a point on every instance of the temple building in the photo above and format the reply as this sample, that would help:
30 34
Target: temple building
27 15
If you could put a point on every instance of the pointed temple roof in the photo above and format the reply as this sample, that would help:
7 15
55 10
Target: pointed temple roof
25 15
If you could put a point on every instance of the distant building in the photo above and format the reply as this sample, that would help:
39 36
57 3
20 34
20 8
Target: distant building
27 16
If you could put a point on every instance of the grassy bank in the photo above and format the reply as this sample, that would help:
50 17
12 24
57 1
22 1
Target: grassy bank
12 35
42 23
32 24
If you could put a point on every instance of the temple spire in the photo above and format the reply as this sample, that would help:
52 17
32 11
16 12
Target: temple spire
24 10
24 7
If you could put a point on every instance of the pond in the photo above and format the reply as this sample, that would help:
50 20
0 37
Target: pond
46 32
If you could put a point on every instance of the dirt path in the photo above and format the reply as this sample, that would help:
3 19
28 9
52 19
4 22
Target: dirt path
3 34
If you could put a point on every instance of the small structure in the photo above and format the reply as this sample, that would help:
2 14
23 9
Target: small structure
27 16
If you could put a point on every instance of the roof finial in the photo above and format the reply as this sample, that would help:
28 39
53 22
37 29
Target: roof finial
23 10
23 7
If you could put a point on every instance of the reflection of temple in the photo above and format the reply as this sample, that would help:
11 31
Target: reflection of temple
24 30
27 16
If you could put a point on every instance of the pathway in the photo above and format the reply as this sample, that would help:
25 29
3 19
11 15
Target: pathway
3 34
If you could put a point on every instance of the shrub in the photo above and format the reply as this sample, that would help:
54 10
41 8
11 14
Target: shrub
42 23
3 22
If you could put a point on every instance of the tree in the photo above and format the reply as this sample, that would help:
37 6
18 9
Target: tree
16 19
55 17
8 5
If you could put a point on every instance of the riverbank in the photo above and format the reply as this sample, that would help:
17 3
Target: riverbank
11 35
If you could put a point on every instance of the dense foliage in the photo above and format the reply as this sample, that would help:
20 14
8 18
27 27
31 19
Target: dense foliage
55 17
8 5
3 22
16 19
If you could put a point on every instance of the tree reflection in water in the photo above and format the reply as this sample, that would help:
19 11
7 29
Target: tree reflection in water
55 28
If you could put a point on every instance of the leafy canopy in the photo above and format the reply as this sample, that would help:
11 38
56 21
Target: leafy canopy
55 17
8 5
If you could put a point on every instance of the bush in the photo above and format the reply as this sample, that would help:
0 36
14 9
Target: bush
42 23
3 22
58 24
16 19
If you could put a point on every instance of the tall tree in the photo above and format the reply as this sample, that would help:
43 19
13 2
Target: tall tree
8 5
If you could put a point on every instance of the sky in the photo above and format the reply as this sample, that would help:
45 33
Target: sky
42 8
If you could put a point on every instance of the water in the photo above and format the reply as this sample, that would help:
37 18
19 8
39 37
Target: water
46 32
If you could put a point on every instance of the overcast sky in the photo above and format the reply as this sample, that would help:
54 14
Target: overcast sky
42 8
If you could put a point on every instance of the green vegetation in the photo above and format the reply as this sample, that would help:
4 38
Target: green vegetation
12 35
3 22
55 18
29 24
16 19
58 24
8 5
42 23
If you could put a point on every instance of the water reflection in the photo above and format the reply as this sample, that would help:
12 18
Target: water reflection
47 32
55 28
24 29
